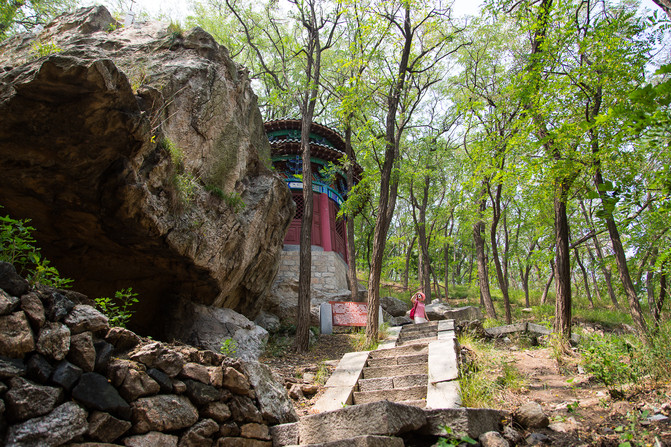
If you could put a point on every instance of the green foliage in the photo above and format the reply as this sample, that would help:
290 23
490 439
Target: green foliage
485 376
19 16
229 347
118 309
234 201
215 190
186 186
17 247
41 49
175 30
322 374
612 361
452 439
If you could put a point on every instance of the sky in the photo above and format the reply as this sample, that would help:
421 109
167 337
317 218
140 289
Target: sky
178 9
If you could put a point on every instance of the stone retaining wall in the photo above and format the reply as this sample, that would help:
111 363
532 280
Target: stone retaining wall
67 377
329 271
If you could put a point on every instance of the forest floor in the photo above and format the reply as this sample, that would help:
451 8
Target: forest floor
581 412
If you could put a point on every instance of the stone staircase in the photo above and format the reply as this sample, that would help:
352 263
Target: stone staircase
397 375
405 390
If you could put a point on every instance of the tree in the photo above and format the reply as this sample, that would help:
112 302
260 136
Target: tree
26 15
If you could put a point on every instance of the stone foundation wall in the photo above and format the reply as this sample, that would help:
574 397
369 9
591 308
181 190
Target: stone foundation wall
66 377
329 271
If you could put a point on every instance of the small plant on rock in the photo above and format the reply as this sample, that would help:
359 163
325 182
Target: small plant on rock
118 309
229 347
41 49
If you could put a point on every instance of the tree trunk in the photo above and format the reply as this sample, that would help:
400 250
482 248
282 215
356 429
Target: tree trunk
605 269
408 253
351 251
593 275
388 186
503 284
585 277
420 226
608 204
649 283
562 323
483 276
662 295
313 68
546 289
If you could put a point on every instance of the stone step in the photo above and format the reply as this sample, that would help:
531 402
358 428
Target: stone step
361 441
394 395
378 418
419 341
398 351
419 327
400 360
418 335
393 371
389 383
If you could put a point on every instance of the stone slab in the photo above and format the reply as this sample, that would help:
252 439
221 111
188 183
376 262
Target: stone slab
443 395
443 362
378 418
284 434
334 398
364 441
418 336
380 383
411 328
394 395
399 350
348 370
393 371
508 329
465 313
538 329
325 319
463 421
400 360
410 380
445 325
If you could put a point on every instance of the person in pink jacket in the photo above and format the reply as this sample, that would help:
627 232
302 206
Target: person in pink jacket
418 312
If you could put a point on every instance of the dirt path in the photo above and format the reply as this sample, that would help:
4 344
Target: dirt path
581 412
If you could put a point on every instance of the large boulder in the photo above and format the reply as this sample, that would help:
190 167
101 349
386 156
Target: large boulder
441 311
394 306
207 327
139 154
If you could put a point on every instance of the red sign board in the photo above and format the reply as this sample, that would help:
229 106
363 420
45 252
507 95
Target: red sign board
349 313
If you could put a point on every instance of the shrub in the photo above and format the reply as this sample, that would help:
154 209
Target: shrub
118 309
17 247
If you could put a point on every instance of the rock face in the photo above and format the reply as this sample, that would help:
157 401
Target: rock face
140 156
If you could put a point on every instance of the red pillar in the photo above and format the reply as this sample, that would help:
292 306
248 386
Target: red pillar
326 222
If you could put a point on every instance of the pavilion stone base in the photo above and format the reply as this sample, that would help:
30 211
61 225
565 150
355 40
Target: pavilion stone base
329 271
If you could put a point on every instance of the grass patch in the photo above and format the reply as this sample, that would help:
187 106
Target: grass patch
486 375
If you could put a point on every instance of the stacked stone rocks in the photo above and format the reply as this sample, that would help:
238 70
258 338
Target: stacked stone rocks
67 377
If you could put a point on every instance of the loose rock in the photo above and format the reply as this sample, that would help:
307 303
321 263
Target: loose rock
86 318
54 341
531 415
82 352
58 427
163 413
17 336
26 399
104 427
